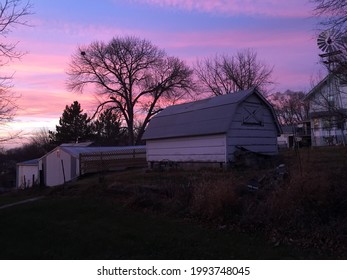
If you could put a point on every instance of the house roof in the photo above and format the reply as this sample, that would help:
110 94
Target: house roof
203 117
317 87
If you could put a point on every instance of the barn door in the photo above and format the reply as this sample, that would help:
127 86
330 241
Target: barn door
252 115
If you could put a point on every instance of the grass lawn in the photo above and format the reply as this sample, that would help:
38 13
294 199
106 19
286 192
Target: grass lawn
13 197
85 228
206 214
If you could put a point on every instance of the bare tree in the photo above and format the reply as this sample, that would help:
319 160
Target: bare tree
12 14
213 77
133 76
225 74
7 100
334 13
290 107
41 139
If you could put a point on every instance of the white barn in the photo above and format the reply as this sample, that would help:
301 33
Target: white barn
27 173
211 130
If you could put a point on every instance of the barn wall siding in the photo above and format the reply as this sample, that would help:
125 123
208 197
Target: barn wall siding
188 149
259 138
257 132
252 141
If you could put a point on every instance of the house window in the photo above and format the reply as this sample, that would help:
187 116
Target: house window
331 100
343 80
252 115
340 125
315 123
328 123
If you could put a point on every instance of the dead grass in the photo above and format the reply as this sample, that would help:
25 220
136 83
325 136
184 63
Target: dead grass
310 208
213 199
305 209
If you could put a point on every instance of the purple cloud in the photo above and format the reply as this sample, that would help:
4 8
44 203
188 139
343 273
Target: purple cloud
295 8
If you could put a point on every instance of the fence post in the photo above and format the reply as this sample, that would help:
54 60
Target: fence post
62 166
80 165
101 171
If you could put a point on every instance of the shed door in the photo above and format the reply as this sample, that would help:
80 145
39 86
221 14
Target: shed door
73 167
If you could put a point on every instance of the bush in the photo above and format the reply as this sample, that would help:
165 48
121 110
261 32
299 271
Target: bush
214 199
310 209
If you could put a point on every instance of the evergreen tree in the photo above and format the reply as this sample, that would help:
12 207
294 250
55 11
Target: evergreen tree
74 126
107 129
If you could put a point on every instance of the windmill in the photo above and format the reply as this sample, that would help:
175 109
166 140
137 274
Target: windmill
332 42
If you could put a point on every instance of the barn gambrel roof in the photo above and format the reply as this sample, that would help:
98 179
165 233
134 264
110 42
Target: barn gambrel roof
204 117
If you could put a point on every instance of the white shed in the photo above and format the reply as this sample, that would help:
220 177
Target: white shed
211 130
62 164
59 166
27 173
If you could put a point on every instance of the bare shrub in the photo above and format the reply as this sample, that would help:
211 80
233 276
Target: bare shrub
213 199
309 209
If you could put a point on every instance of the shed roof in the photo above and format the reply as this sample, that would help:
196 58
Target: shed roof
80 144
204 117
75 151
31 162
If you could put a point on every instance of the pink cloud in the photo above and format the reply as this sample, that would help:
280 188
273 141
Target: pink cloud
235 39
295 8
40 76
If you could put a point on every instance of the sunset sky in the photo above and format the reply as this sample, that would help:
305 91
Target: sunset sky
282 32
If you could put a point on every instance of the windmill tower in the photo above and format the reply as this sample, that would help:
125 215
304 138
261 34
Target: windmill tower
331 42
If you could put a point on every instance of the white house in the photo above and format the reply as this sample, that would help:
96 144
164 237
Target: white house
27 173
211 130
328 111
286 139
296 135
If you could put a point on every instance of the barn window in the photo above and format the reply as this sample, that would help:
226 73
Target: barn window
252 115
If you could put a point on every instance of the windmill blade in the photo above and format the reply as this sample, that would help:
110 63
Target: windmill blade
330 41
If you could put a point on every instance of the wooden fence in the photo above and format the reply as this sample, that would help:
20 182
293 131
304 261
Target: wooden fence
110 161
